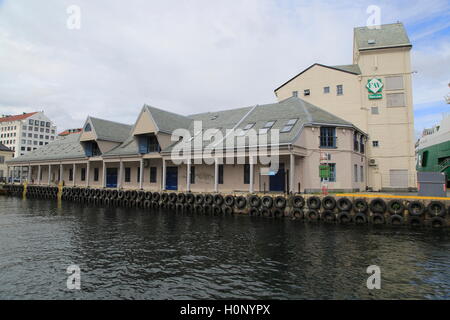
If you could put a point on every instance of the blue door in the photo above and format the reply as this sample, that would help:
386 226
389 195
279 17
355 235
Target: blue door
111 177
276 182
172 178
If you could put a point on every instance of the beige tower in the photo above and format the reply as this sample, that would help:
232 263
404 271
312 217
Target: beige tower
375 94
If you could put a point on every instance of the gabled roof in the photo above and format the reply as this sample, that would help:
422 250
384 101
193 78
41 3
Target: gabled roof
5 148
166 121
387 36
110 130
352 69
68 147
17 117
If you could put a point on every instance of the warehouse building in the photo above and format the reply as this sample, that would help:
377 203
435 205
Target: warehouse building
375 94
141 156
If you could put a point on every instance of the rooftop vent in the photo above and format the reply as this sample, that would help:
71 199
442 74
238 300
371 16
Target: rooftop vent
371 41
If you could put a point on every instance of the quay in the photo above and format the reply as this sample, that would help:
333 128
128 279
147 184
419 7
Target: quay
311 208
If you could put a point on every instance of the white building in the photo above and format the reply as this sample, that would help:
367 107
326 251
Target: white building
26 132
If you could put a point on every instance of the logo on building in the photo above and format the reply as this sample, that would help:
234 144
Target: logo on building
375 86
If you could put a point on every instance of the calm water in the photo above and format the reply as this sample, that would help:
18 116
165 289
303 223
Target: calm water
133 254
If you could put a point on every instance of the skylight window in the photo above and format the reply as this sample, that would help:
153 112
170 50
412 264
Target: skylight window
249 126
243 132
289 125
266 127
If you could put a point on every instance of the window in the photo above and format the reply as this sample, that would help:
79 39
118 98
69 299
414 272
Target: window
36 122
96 174
41 136
30 135
362 174
375 144
332 173
356 172
192 175
326 90
266 127
246 174
374 110
87 127
295 94
424 158
42 123
394 83
30 122
328 137
36 129
152 174
2 159
41 130
355 142
361 144
220 174
127 174
36 136
47 124
83 174
41 143
24 135
306 92
289 125
30 128
70 174
138 177
395 100
340 89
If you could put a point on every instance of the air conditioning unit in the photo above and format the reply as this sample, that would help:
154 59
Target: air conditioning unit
372 162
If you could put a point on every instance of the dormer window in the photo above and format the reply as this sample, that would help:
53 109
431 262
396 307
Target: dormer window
148 144
87 127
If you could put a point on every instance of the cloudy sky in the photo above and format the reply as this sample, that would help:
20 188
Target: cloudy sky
195 56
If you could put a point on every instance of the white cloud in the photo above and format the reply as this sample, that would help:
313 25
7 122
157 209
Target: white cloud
184 56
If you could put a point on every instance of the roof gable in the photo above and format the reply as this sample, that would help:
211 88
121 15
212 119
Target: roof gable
17 117
351 69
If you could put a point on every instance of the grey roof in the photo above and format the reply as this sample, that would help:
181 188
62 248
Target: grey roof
110 130
166 121
281 113
389 35
4 148
67 147
352 68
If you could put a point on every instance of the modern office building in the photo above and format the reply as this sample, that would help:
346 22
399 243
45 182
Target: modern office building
26 132
143 155
375 94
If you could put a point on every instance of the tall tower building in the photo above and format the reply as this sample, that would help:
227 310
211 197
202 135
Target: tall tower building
375 94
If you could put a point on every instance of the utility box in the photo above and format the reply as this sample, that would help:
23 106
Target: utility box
432 184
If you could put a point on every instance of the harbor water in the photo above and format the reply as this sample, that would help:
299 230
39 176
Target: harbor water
146 254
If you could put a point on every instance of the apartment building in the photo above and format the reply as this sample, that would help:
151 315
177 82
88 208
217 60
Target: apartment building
26 132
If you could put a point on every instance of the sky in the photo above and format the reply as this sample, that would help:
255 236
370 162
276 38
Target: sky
196 56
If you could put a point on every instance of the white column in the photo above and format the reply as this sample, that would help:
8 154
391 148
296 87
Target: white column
104 175
39 175
29 174
251 175
164 175
7 174
119 182
188 175
74 174
292 173
49 173
60 173
141 173
88 169
216 175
